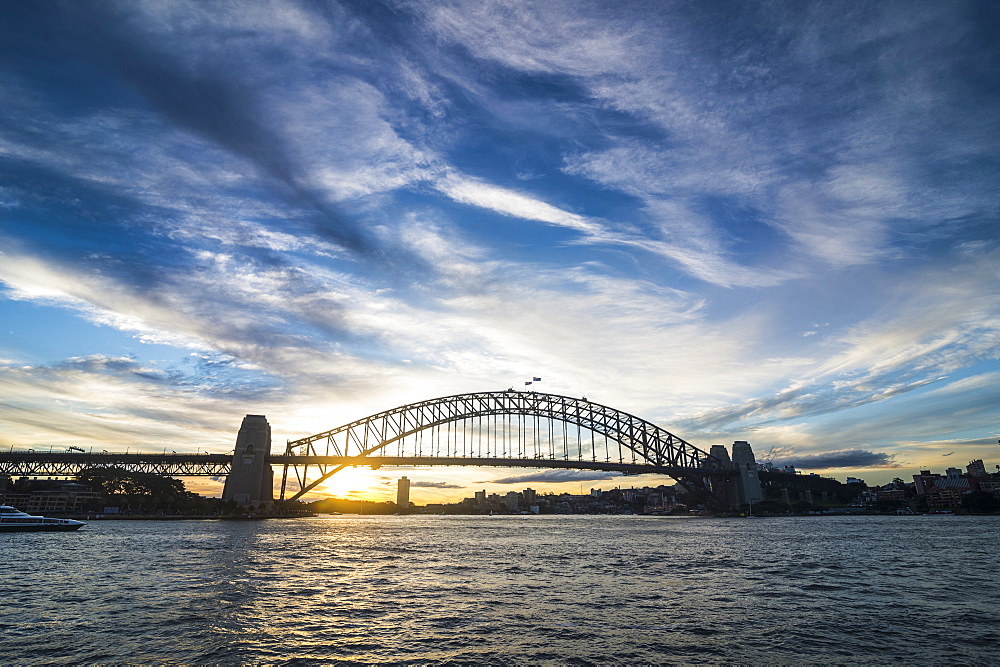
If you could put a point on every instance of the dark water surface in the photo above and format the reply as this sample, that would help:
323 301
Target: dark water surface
505 590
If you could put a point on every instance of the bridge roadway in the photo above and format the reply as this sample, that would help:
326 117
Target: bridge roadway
32 464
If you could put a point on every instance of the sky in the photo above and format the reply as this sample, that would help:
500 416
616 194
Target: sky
763 221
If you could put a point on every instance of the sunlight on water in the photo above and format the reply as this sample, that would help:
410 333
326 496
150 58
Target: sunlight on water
504 590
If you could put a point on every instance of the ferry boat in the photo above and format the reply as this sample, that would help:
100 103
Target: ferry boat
12 520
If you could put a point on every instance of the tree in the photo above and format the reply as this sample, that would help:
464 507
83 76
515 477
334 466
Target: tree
911 491
981 502
144 491
888 505
118 481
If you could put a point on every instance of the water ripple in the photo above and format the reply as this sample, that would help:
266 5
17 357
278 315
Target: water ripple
505 590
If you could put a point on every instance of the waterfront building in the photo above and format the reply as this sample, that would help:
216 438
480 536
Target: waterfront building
48 496
889 492
512 500
990 483
976 468
945 499
924 481
403 493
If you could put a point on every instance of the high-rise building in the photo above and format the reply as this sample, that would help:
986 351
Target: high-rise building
403 494
529 496
512 500
976 468
480 496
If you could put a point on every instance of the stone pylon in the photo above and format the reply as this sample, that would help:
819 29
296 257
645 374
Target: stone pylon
748 488
725 492
251 481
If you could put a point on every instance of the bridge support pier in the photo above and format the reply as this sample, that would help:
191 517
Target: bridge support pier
250 483
744 487
748 488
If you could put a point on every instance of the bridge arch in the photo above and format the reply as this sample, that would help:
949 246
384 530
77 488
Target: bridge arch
371 440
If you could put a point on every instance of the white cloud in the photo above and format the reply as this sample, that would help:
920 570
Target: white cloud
510 202
537 37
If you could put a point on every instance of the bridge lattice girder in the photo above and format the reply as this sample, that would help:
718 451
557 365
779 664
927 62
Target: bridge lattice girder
657 449
35 464
652 444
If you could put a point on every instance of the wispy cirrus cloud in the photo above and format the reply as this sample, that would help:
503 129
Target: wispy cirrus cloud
511 202
142 406
550 476
650 205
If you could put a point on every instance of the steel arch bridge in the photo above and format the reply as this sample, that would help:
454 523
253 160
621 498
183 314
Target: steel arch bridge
505 429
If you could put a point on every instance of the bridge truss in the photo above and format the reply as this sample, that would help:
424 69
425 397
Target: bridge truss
504 428
496 429
39 464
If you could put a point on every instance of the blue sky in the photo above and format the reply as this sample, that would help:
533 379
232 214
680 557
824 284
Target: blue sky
766 221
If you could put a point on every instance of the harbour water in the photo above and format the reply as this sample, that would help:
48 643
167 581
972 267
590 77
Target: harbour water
505 590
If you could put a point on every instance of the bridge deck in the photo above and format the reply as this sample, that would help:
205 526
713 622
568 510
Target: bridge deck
493 462
185 465
31 464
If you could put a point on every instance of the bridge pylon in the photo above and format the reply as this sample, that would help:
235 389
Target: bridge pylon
250 482
743 487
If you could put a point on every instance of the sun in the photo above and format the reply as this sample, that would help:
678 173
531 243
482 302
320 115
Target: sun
355 483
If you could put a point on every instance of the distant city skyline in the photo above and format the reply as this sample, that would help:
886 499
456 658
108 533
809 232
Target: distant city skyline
770 222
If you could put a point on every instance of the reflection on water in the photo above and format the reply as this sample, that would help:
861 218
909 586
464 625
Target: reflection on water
505 590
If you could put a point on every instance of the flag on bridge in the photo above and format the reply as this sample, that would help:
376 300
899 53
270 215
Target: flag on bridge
537 379
526 384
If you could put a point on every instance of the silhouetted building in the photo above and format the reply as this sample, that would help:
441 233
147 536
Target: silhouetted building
42 496
512 500
403 493
924 481
976 468
945 499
